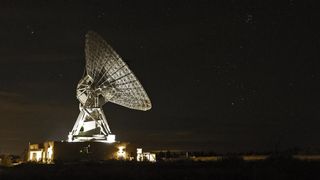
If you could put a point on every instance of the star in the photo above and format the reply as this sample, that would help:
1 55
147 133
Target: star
31 30
249 19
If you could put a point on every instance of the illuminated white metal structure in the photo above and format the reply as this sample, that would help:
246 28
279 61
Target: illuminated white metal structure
106 79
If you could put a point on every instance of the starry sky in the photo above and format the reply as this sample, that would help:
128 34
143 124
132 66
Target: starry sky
226 76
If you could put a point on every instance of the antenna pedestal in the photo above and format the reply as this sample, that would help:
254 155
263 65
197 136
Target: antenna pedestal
91 125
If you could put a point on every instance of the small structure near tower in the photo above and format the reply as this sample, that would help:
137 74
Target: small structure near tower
145 156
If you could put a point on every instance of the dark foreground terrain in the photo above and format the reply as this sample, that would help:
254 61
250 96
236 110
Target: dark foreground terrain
223 169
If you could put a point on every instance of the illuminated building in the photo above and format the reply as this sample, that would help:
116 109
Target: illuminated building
56 151
145 156
41 152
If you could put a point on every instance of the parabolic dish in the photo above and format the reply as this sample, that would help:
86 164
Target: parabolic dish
111 77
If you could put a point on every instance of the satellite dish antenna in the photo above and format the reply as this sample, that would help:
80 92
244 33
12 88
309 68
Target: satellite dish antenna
106 79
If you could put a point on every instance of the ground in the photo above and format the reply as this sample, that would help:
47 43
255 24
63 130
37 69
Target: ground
224 169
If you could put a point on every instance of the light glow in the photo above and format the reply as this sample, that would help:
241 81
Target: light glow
139 154
50 154
121 154
35 155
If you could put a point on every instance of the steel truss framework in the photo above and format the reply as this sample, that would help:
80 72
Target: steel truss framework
107 78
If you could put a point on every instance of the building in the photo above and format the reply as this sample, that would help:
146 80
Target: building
145 156
58 151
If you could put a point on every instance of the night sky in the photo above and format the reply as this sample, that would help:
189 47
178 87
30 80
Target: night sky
227 76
